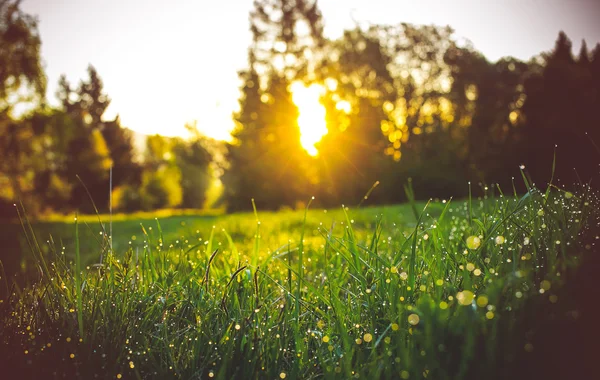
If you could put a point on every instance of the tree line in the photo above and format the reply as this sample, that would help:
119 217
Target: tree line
60 158
402 102
405 102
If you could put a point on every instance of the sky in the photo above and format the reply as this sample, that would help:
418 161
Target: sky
166 63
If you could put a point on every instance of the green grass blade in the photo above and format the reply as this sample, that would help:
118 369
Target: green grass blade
78 282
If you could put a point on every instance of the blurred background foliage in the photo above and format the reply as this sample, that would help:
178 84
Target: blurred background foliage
401 101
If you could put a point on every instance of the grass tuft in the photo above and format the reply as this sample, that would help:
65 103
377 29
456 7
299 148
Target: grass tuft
386 292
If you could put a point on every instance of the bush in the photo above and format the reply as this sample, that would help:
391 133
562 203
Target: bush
126 199
161 189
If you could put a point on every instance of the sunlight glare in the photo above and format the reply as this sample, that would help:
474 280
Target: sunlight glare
311 119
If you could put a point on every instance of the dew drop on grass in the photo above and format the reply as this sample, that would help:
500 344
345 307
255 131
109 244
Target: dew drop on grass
473 242
413 319
368 337
545 285
465 297
282 375
325 339
482 301
500 240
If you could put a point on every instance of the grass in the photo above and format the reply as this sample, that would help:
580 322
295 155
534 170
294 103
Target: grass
443 290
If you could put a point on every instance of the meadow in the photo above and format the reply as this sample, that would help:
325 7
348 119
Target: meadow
488 287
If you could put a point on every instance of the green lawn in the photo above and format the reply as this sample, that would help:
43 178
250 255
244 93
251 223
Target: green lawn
459 289
128 231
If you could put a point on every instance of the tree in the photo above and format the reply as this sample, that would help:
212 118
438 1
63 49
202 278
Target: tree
20 62
286 34
559 109
193 159
266 160
595 68
92 100
563 50
282 162
89 159
584 56
490 96
21 80
15 165
119 141
399 87
351 155
55 130
244 149
98 142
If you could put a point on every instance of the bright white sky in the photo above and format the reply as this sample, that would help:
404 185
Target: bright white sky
168 62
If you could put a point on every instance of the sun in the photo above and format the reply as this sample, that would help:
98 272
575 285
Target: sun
311 119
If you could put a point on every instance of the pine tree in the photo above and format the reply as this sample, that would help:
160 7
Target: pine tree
242 154
266 160
96 142
584 56
563 49
560 117
93 101
595 68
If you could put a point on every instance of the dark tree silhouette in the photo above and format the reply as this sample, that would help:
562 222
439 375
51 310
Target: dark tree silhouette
266 160
560 112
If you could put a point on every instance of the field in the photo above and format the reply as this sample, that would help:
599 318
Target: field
489 287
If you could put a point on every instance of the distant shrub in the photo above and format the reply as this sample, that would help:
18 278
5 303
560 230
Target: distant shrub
161 189
126 199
